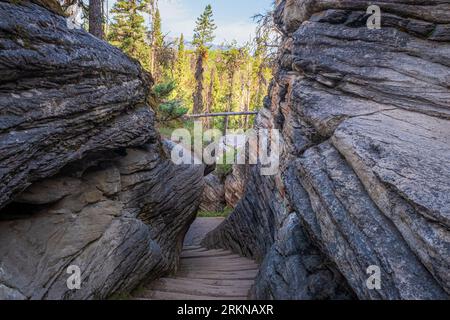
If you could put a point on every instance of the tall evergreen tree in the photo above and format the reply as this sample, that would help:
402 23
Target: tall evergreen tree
128 31
203 36
151 9
182 72
157 43
233 58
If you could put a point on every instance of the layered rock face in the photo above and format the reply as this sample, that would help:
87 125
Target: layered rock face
365 174
213 198
235 185
85 179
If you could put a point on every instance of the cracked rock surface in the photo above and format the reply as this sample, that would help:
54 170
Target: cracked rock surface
365 171
84 178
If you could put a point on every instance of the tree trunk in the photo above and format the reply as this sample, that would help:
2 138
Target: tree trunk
96 18
230 98
106 15
249 95
225 125
210 98
152 8
198 93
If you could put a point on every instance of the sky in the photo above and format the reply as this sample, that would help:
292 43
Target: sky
232 17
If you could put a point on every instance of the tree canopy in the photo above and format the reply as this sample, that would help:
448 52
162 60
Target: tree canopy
194 76
204 29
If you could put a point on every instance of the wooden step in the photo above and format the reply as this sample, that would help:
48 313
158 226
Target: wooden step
193 247
232 275
214 263
205 275
213 282
218 267
208 254
161 295
215 260
199 289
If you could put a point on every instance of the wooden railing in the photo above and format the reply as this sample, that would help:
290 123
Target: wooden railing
222 114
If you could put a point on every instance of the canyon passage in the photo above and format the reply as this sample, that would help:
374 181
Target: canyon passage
87 179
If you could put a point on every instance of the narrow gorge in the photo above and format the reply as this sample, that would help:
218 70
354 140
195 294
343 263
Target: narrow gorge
86 179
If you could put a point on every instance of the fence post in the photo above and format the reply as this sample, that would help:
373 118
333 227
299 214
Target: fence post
225 125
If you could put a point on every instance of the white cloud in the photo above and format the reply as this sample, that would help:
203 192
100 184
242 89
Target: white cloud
239 31
177 18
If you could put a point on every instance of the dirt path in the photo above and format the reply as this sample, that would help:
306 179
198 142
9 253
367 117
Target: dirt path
204 274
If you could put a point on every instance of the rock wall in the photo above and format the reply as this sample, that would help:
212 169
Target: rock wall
235 185
213 198
84 179
365 177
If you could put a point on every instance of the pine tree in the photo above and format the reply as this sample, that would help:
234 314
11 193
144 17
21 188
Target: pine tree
151 8
233 59
261 69
182 72
157 32
127 30
157 45
203 35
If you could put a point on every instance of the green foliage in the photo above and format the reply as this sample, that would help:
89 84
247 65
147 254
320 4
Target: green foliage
171 110
163 90
203 35
182 73
233 78
233 57
222 167
204 29
160 57
128 31
157 31
168 110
